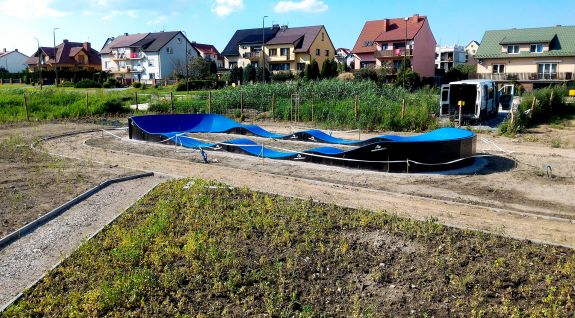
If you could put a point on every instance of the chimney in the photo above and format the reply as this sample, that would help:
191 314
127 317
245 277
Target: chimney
385 25
284 27
415 18
4 50
126 34
87 46
65 41
15 50
276 26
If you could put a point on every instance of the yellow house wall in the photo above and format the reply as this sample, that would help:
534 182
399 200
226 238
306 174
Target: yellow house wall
326 44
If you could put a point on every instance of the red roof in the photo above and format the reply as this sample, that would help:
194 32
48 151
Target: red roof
387 30
205 48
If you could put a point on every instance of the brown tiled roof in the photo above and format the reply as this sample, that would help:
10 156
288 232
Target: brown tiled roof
205 48
301 37
65 54
387 30
126 40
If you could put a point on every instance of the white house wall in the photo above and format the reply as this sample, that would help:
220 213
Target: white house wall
168 61
14 62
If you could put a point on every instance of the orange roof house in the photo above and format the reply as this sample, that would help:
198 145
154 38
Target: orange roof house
385 43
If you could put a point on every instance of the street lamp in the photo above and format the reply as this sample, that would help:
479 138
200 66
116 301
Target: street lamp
405 54
187 67
263 51
55 55
39 62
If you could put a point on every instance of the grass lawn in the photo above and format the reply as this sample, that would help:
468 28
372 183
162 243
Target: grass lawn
202 249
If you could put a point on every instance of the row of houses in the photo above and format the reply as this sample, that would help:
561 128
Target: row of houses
534 57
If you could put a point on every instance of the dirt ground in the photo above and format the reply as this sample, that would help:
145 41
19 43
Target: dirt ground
509 193
33 183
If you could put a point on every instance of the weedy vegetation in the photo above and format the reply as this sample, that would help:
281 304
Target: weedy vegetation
197 248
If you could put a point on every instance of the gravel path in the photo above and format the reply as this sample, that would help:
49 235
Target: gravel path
27 259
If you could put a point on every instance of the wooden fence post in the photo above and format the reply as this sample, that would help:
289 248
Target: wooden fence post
273 105
355 102
241 103
136 100
312 107
209 102
86 103
532 107
26 107
402 108
171 102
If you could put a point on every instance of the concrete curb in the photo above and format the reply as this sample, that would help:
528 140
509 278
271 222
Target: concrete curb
6 240
101 186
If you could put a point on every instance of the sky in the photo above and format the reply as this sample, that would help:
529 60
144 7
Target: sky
215 21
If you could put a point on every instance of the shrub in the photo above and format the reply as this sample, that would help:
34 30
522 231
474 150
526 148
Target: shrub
88 84
346 76
66 84
136 84
249 74
111 83
282 76
112 106
365 74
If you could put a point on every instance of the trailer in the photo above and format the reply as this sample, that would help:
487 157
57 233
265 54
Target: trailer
476 99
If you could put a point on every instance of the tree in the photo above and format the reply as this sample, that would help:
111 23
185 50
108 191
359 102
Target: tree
329 69
459 72
312 71
259 71
408 78
213 68
199 68
249 73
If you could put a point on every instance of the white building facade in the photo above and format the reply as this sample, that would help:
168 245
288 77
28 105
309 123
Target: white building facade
147 57
13 61
447 56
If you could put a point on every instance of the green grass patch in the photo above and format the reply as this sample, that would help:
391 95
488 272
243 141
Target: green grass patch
202 249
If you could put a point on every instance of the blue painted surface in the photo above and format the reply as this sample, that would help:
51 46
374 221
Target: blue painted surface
206 123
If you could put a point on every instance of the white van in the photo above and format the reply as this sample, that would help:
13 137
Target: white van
479 98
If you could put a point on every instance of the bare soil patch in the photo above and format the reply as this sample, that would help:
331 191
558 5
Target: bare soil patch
33 182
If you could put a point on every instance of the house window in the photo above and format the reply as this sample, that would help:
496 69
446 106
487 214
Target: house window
547 71
498 68
273 52
317 52
107 64
536 48
233 64
151 63
179 40
384 46
326 52
284 51
170 50
513 49
280 67
367 43
322 36
152 76
300 66
255 64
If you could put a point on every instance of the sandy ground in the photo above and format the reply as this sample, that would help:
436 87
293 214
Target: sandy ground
517 200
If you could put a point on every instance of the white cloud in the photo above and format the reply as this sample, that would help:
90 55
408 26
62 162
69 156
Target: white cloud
311 6
157 20
224 7
117 13
29 8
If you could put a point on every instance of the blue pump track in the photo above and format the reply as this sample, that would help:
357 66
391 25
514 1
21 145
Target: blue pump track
441 149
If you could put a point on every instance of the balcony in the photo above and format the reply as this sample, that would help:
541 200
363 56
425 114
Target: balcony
136 56
126 70
119 57
564 76
252 56
393 54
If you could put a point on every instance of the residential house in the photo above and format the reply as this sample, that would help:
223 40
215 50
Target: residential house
68 56
344 56
448 56
534 57
291 49
386 43
471 50
13 61
210 53
147 57
245 46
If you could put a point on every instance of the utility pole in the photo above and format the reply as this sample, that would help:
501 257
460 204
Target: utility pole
39 62
405 54
263 53
187 67
55 56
